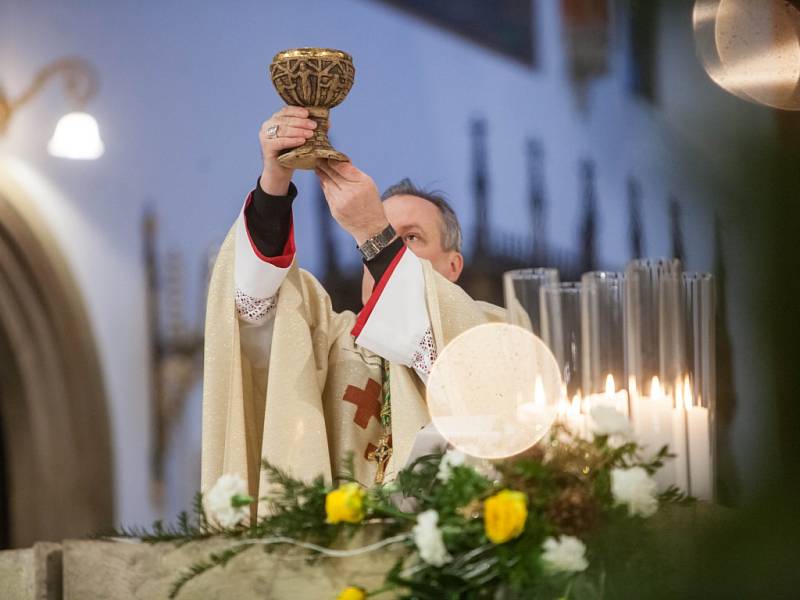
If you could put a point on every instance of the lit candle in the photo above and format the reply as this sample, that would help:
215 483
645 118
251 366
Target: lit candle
699 438
653 421
610 397
563 405
576 418
529 411
570 413
683 402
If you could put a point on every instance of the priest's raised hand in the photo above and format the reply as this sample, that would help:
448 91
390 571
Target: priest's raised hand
353 199
288 128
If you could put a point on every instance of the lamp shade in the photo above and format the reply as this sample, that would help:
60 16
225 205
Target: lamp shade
76 136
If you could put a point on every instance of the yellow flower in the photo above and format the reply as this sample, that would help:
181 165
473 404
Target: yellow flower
345 504
504 515
351 593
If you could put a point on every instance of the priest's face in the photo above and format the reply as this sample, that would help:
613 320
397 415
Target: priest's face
419 223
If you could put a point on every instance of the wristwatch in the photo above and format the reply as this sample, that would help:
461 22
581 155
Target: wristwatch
376 243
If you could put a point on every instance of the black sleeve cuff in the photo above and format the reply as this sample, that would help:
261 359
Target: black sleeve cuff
378 265
269 219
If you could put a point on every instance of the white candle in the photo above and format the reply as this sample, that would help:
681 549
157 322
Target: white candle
571 415
610 397
528 411
653 422
700 471
577 419
679 441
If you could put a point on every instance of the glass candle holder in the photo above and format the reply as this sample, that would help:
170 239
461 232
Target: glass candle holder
699 389
671 333
561 330
602 340
653 330
654 361
521 293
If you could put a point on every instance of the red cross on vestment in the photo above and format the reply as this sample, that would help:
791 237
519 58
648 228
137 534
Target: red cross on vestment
367 401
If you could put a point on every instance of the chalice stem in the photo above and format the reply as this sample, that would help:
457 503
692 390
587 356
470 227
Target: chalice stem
317 147
322 117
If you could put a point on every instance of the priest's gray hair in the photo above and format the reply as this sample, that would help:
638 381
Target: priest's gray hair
451 229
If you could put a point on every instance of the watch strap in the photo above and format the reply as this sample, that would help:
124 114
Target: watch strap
372 247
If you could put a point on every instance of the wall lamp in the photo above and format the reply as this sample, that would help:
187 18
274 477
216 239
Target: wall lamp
76 135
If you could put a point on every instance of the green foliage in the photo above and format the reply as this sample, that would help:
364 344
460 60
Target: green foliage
567 482
190 526
296 509
675 495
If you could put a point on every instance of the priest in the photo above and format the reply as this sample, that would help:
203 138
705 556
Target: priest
288 379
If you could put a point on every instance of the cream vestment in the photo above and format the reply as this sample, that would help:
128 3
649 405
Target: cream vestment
289 379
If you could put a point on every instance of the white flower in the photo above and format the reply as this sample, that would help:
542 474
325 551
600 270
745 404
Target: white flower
609 421
565 553
484 467
428 538
635 488
222 501
451 458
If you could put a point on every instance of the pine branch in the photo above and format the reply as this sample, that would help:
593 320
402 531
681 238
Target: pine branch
296 509
199 511
657 461
419 477
674 495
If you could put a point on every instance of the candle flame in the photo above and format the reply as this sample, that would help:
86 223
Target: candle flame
563 407
656 391
610 387
687 393
632 386
576 404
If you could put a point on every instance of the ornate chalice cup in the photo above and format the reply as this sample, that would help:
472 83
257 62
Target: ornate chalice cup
317 79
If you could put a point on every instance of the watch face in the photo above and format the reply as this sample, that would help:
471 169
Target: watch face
369 250
374 245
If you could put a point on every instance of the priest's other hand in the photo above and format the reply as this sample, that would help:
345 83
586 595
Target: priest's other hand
353 199
294 128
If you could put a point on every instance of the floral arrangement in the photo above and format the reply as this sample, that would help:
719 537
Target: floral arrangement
528 527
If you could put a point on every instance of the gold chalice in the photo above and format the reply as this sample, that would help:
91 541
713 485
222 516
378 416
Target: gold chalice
317 79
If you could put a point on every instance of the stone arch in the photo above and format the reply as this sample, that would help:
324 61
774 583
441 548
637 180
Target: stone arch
54 425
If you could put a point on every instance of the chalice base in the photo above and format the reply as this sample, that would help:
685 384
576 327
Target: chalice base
316 148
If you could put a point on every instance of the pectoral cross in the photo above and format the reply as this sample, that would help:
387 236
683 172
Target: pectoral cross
381 455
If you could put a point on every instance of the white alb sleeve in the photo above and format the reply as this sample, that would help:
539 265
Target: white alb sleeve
257 279
394 324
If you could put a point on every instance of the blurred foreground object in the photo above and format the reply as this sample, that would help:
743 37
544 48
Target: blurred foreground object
317 79
494 390
77 135
751 48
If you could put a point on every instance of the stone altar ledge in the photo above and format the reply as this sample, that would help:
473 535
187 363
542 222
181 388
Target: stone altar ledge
117 570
